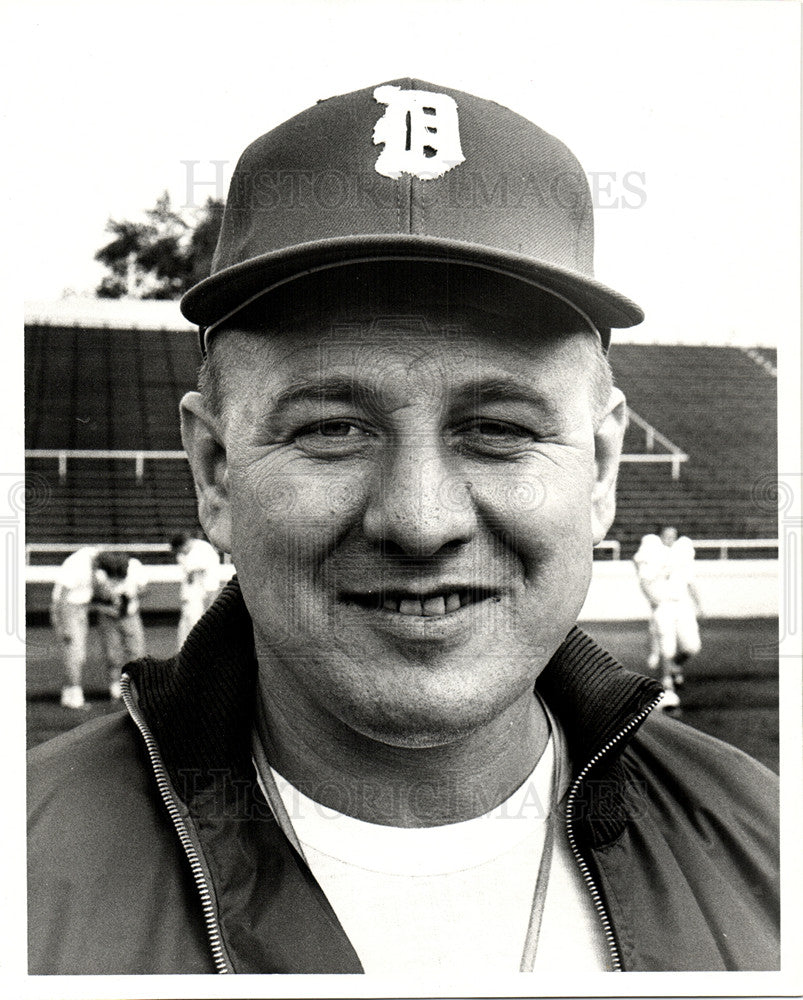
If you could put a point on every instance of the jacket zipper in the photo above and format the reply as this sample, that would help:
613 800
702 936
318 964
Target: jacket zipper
596 896
212 927
160 772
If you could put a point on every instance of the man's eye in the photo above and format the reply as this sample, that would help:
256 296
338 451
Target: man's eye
493 428
495 435
332 437
334 429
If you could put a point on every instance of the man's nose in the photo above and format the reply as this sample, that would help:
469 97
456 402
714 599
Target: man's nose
419 502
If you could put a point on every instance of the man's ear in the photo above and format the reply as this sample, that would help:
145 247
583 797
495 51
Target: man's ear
203 439
607 451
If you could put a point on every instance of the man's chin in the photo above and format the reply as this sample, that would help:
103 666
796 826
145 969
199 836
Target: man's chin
418 734
433 714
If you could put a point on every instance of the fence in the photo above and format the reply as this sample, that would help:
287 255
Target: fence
674 456
139 457
609 545
724 544
134 548
652 437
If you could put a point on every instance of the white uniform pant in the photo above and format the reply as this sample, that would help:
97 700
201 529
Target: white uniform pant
71 624
123 640
673 630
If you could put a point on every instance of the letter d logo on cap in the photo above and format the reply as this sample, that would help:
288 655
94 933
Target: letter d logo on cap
420 132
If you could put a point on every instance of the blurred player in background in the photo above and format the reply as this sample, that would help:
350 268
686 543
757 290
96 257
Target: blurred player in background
119 583
665 567
200 566
69 615
110 582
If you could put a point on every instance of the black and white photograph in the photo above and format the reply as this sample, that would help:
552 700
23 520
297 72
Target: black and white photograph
402 499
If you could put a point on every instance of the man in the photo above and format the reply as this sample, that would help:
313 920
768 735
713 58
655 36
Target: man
200 581
665 567
387 746
93 578
120 582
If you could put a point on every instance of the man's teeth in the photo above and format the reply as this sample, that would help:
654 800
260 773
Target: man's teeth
452 602
431 607
434 606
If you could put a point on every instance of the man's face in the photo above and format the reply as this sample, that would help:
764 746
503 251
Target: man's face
409 508
669 536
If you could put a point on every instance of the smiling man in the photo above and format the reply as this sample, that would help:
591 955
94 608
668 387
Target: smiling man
411 504
387 746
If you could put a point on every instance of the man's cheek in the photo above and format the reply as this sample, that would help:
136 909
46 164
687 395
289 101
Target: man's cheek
265 492
536 512
277 571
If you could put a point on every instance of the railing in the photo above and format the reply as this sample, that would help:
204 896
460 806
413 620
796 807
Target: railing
760 360
612 545
138 456
609 544
64 548
724 544
675 459
651 437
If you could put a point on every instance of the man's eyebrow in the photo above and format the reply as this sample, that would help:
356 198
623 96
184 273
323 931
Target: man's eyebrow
351 390
504 389
332 389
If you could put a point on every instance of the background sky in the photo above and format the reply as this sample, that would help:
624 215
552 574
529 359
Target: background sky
698 102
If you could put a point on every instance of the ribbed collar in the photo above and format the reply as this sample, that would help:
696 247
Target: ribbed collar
200 703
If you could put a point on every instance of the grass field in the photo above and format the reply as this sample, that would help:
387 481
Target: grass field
731 689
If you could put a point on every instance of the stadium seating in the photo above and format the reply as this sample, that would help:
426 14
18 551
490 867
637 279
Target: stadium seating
719 407
112 389
105 389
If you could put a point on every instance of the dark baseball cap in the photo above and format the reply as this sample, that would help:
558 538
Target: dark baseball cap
407 170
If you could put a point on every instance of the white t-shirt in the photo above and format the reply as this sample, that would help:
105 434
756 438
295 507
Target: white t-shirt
201 571
75 576
455 898
667 568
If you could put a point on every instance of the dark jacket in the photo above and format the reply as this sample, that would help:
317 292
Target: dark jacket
152 849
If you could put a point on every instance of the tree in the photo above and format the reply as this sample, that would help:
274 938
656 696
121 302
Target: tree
162 257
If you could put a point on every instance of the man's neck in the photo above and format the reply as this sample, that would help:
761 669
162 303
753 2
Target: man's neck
399 786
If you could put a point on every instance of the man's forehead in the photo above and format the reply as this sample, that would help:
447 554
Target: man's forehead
386 372
459 346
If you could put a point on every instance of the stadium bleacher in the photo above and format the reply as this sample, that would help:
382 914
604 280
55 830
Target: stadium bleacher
106 388
116 388
719 406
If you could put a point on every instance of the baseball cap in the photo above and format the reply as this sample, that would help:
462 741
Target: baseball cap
407 170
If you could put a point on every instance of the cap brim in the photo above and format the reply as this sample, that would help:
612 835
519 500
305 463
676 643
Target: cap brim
220 295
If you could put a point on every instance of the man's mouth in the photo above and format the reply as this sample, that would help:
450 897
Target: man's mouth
432 604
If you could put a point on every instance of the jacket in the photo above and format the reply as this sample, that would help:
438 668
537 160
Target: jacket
153 850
